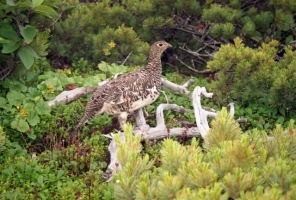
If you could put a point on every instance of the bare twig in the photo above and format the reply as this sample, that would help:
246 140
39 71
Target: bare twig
195 70
127 58
197 54
165 96
4 72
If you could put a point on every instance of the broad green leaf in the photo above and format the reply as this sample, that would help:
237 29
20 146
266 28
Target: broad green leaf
78 80
42 108
49 96
30 76
40 180
266 126
11 2
34 92
15 98
18 86
103 66
3 102
31 135
90 82
115 69
37 2
280 120
28 32
13 124
32 117
7 31
3 40
100 77
32 51
29 106
93 81
70 80
10 47
282 111
21 125
289 39
46 11
60 173
26 5
26 56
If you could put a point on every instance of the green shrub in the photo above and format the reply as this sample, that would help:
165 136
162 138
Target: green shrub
247 75
96 33
252 165
71 170
20 42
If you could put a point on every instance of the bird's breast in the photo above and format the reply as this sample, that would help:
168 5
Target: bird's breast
145 98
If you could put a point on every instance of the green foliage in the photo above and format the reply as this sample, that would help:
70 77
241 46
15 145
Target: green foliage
110 31
283 145
23 102
22 105
134 165
241 168
247 74
262 116
63 173
232 166
19 40
96 33
224 128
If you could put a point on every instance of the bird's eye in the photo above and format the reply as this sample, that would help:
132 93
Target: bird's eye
160 44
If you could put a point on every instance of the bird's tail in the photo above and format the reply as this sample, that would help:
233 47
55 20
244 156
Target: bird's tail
85 118
81 122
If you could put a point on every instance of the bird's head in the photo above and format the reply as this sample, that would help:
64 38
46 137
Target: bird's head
158 48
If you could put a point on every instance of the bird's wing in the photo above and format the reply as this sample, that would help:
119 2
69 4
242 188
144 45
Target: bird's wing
114 91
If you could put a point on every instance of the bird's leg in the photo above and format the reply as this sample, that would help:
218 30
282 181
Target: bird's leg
122 117
140 120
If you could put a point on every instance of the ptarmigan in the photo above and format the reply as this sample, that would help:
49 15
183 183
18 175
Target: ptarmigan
129 92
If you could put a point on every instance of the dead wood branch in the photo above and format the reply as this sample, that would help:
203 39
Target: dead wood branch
161 131
177 88
201 32
72 95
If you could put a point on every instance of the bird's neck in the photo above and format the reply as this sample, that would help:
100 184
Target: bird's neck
154 62
154 66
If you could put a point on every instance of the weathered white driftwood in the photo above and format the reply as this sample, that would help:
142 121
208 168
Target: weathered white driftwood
114 165
161 131
72 95
143 129
177 88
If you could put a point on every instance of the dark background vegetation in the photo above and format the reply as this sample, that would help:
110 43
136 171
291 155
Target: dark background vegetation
242 51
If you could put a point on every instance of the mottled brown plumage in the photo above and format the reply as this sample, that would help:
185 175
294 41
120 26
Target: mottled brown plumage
129 92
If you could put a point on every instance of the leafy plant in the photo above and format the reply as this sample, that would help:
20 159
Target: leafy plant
253 74
23 105
20 41
65 172
106 38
